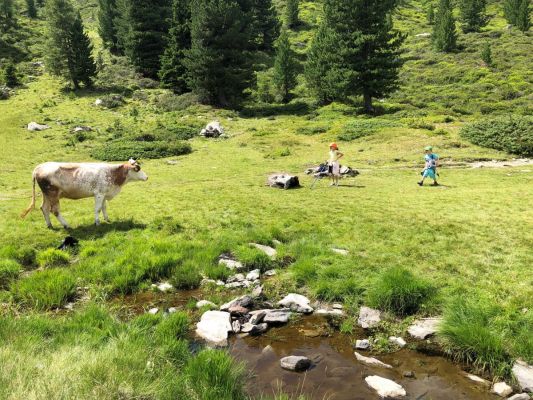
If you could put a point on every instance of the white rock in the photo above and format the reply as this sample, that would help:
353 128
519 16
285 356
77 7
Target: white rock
258 291
205 303
269 251
236 326
98 102
214 327
206 281
368 317
385 387
254 329
220 283
270 272
82 129
362 344
236 278
165 287
477 379
277 316
295 363
276 242
323 311
502 389
337 306
424 328
342 252
153 311
34 126
371 361
243 301
253 275
423 35
234 285
213 129
172 310
523 373
258 317
231 264
520 396
296 302
397 341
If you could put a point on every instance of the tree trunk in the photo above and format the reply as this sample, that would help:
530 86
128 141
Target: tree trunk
367 99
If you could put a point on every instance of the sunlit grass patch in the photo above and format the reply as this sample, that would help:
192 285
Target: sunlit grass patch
52 258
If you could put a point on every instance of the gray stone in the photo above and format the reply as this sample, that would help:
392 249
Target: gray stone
205 303
277 316
236 325
342 252
270 272
337 306
235 278
502 389
214 327
362 344
253 275
172 310
477 379
296 302
295 363
230 263
523 373
520 396
243 301
323 311
254 329
234 285
206 281
385 387
165 287
398 341
424 328
258 291
82 129
238 310
368 317
34 126
153 311
371 361
258 317
269 251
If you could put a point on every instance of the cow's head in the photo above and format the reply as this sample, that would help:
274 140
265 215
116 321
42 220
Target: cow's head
134 172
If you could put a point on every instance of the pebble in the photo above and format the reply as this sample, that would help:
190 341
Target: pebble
153 311
362 344
397 341
502 389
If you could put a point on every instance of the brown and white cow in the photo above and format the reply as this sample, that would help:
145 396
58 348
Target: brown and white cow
81 180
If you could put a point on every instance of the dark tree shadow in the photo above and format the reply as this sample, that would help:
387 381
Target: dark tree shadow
95 232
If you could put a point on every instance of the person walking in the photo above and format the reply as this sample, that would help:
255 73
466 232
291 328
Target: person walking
334 167
430 169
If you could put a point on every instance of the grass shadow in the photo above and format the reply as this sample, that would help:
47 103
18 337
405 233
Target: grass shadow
267 110
96 232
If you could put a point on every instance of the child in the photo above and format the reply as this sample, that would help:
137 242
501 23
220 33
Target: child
333 163
430 170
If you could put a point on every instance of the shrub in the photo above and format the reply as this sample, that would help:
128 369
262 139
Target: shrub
52 258
399 291
417 123
171 102
311 130
9 271
186 276
363 127
469 334
45 289
122 149
213 374
514 135
111 101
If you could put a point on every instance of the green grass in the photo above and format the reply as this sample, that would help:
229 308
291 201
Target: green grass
9 271
52 258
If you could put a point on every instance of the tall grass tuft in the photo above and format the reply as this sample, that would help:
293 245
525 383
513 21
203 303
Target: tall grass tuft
397 290
9 271
52 258
186 276
470 333
253 258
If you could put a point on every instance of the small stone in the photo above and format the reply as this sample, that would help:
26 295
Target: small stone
362 344
34 126
258 317
337 306
423 35
368 317
236 325
385 387
172 162
205 303
520 396
424 328
477 379
253 275
98 102
371 361
258 291
342 252
398 341
238 310
230 263
234 285
502 389
277 316
270 272
235 278
165 287
220 283
172 310
323 311
153 311
408 374
254 329
206 281
523 373
69 306
82 129
296 302
295 363
243 301
269 251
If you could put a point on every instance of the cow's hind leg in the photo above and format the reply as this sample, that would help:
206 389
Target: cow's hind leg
45 208
98 204
104 210
57 213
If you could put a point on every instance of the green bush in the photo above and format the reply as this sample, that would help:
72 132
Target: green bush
52 258
363 127
417 123
470 334
513 134
123 149
46 289
9 271
399 291
311 130
171 102
186 276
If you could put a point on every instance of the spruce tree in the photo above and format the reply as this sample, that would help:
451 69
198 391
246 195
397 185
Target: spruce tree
486 54
69 49
107 15
10 75
291 13
510 10
473 15
173 73
430 14
219 60
444 33
7 12
30 8
285 67
523 19
142 27
363 57
264 25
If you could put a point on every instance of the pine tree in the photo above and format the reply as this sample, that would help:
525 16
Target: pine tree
7 12
142 27
265 24
173 73
444 33
30 7
291 13
10 75
431 14
218 63
69 48
486 54
473 15
362 56
285 67
523 19
107 15
510 10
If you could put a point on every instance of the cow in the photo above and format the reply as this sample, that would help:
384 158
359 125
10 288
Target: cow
81 180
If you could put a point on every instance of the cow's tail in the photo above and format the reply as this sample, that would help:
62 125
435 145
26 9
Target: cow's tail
32 204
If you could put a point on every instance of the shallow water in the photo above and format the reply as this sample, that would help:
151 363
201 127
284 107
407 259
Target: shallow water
336 374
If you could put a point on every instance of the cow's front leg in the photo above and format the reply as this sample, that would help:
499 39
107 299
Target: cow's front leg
98 204
57 213
104 210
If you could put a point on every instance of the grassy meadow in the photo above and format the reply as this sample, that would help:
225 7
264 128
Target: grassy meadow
462 250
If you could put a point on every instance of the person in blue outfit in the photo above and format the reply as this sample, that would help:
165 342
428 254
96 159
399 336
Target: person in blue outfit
430 170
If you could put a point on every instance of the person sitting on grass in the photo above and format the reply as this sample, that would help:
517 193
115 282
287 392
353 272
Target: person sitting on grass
430 170
334 167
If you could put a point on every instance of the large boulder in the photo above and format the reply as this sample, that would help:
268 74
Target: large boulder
283 180
385 387
523 373
368 317
296 302
212 130
295 363
34 126
214 327
424 328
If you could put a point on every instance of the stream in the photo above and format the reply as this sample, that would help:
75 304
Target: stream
335 374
